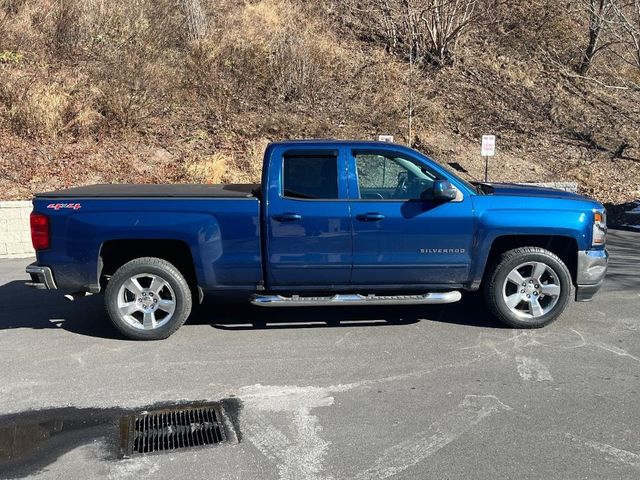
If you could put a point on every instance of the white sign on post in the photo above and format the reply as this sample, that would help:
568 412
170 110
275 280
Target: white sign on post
488 145
385 138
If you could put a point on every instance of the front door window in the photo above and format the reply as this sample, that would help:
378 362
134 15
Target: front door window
392 178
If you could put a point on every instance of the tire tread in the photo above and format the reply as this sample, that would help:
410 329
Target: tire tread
492 290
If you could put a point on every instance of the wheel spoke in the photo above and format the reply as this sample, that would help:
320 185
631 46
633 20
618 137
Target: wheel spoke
157 284
149 320
514 300
515 277
128 308
550 289
535 307
538 270
167 305
133 286
141 296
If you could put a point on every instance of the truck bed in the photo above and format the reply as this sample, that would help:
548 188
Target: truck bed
236 191
219 227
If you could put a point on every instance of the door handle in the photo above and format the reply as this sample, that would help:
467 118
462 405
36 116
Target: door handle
287 217
370 217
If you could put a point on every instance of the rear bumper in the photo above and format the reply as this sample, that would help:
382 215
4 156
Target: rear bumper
41 277
592 268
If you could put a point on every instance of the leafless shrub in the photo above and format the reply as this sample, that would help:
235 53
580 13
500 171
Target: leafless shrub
34 108
208 169
12 6
298 63
426 30
131 89
126 46
262 53
243 164
65 27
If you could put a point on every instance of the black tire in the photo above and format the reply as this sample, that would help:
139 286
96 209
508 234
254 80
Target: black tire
499 288
175 294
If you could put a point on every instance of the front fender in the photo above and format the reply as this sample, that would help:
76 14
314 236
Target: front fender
496 223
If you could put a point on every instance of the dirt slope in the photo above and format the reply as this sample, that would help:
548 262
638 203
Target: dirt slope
120 91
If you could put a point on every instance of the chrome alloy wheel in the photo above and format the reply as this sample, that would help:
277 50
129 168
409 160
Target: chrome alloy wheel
531 289
146 301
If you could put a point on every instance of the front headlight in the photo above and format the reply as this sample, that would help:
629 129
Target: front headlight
599 236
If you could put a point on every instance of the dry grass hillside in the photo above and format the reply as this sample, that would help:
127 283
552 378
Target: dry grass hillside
155 91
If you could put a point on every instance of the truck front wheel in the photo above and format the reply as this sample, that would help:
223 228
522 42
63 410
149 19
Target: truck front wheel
528 288
148 299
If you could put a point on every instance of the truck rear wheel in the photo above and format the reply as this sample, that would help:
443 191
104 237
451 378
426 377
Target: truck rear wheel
528 288
148 299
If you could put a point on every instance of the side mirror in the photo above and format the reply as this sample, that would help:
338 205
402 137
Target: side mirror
443 190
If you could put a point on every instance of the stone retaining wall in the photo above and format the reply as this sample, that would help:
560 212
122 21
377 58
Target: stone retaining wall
15 234
566 186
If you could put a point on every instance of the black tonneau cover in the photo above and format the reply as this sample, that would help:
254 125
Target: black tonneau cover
152 190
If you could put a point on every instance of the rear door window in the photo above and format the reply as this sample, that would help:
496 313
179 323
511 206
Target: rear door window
310 176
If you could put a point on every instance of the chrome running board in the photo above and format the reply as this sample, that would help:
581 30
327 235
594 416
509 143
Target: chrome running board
432 298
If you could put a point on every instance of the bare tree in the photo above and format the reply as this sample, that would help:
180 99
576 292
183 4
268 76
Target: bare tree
614 33
600 13
196 20
627 30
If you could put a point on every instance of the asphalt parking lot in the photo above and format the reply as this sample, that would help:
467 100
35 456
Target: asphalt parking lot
344 393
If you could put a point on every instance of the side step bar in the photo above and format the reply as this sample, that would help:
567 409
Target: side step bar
432 298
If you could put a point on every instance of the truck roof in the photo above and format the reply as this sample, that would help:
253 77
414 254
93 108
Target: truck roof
333 141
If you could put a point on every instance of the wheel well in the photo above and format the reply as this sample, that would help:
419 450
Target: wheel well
115 253
564 247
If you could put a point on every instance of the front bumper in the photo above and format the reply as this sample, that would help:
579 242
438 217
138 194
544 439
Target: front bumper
41 277
592 268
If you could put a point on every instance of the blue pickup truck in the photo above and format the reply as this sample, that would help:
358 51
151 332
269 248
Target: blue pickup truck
332 223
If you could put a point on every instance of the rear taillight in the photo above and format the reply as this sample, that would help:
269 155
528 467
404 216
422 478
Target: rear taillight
39 231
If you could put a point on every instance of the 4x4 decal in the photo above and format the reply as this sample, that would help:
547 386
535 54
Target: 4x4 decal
58 206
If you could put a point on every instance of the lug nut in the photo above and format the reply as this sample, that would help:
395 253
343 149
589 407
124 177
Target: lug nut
535 293
528 296
537 286
522 291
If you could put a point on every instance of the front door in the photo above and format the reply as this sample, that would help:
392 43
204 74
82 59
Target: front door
309 238
401 235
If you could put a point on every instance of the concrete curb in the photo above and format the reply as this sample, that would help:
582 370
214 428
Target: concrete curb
15 233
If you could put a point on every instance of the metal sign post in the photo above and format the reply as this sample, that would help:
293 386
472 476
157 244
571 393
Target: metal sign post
488 150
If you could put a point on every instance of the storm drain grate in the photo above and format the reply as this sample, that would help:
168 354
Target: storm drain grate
171 429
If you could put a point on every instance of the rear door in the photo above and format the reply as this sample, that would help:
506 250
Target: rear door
402 235
308 219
